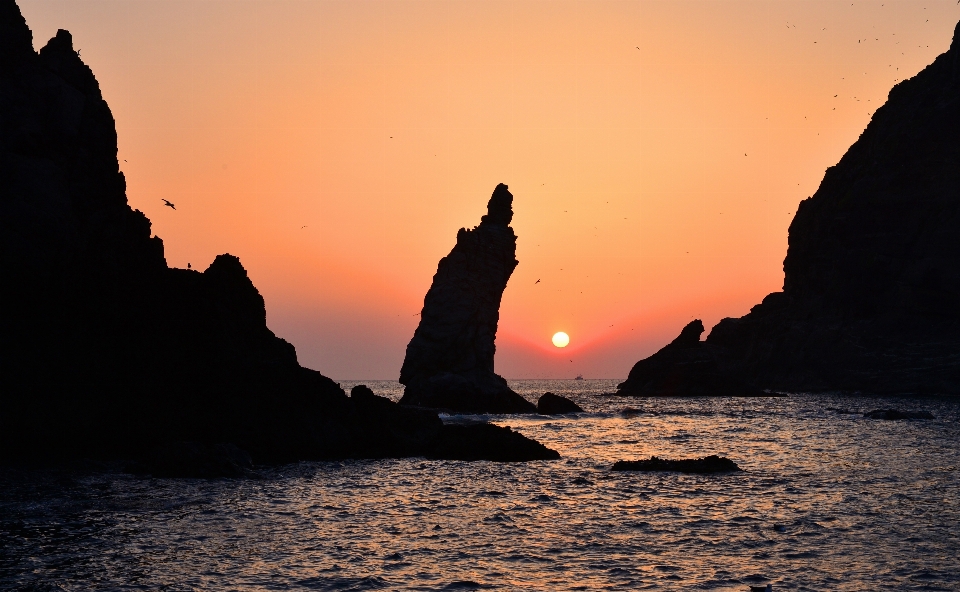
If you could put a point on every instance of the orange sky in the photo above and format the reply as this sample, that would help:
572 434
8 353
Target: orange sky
656 152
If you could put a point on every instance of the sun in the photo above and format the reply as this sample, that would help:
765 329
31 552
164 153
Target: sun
561 339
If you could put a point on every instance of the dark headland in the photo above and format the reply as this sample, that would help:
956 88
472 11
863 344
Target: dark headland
871 291
108 352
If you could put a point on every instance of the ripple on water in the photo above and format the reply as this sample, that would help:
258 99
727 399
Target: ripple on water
828 500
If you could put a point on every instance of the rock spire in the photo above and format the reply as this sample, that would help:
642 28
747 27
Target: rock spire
449 361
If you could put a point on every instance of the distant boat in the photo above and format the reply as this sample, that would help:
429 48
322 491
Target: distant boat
579 377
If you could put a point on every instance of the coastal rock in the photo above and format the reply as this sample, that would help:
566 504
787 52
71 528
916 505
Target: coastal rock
198 461
871 293
485 441
551 404
412 431
394 429
108 352
449 360
706 465
684 368
894 414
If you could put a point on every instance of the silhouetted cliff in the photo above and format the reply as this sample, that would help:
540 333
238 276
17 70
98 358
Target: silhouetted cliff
106 350
871 294
449 361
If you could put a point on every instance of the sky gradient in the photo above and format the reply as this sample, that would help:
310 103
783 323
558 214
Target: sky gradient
656 152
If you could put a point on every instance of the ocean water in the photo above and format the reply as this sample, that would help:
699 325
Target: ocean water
828 500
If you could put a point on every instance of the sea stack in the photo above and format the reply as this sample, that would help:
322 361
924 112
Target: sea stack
871 291
449 361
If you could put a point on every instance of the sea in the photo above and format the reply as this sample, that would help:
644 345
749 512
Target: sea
828 501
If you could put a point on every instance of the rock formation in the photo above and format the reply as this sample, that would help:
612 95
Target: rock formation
449 361
706 465
684 368
551 404
871 292
106 350
895 414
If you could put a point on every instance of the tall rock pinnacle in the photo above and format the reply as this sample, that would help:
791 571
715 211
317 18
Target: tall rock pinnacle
449 361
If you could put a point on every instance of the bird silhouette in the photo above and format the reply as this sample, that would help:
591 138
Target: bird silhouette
536 282
167 203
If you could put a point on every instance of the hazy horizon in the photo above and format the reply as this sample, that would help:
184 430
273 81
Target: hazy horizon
656 150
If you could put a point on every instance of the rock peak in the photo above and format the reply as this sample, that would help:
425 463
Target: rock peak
62 41
16 40
690 335
500 207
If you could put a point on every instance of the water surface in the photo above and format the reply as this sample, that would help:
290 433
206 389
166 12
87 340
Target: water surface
828 501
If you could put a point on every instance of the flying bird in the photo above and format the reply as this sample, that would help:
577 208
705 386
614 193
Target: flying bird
167 203
536 282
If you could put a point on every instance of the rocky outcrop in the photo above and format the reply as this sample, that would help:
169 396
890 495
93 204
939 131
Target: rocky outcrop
195 460
449 361
485 441
685 368
895 414
108 352
706 465
551 404
423 434
871 293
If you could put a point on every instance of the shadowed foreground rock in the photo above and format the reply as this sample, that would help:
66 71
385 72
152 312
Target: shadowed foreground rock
402 431
110 353
485 441
551 404
196 460
449 360
871 291
707 464
894 414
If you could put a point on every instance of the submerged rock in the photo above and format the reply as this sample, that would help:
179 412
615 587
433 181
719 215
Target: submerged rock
449 360
551 404
684 368
892 414
871 291
707 464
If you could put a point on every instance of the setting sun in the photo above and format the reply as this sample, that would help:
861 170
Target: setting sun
561 339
